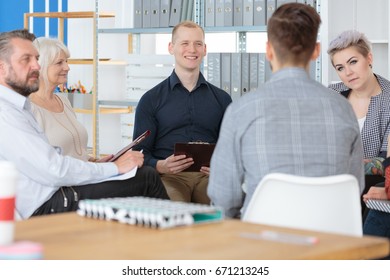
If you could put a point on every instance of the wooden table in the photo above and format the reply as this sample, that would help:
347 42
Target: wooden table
70 236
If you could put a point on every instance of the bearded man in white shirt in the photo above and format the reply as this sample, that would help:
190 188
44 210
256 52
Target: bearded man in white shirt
48 181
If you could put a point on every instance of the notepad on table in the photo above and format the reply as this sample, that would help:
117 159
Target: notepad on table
149 212
380 205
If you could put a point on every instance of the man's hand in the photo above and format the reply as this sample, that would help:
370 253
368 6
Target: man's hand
129 160
205 170
174 164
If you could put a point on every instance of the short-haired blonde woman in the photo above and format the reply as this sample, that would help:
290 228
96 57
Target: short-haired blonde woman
369 93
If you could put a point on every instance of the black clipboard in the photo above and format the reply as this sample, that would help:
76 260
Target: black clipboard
131 145
201 152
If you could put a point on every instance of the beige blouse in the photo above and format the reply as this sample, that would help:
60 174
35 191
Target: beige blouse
63 129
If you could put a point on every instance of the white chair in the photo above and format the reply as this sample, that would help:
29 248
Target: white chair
329 204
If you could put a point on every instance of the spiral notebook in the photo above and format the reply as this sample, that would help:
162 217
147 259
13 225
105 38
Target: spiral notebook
380 205
149 212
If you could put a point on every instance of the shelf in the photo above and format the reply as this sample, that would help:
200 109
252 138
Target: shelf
126 107
135 30
165 30
379 41
127 102
63 15
105 110
103 61
219 29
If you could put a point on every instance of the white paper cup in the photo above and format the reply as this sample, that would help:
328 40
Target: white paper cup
8 179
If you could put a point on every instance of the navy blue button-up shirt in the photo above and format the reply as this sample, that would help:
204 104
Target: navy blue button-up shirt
173 114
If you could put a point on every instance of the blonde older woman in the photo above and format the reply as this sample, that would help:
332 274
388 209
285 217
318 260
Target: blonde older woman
54 112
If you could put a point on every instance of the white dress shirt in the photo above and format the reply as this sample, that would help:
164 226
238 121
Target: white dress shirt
42 169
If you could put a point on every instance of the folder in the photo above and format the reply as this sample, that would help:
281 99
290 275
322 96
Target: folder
200 152
184 7
247 12
244 73
214 69
146 17
174 17
225 72
235 88
209 13
271 5
219 12
253 71
134 143
263 63
313 69
138 13
238 13
228 13
165 8
267 69
282 2
154 13
259 13
190 10
311 3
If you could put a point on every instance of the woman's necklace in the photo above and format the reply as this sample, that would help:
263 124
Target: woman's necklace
75 136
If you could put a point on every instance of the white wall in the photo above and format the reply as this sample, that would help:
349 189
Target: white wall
368 16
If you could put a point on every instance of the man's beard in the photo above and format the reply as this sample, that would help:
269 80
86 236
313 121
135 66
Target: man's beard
20 87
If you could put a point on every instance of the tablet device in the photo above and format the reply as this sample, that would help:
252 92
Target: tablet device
131 145
200 151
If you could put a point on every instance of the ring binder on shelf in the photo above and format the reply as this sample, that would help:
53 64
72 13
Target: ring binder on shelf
149 212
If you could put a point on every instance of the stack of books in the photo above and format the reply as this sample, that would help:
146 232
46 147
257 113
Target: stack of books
149 212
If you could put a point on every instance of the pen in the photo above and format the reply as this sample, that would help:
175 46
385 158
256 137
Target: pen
282 237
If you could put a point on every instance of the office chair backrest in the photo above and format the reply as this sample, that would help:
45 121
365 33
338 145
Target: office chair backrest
329 204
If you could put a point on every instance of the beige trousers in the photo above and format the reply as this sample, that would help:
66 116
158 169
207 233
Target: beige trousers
187 186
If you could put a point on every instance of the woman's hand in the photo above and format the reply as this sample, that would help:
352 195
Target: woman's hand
375 193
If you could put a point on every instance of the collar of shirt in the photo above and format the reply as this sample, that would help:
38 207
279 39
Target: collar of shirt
14 98
346 91
297 72
174 80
